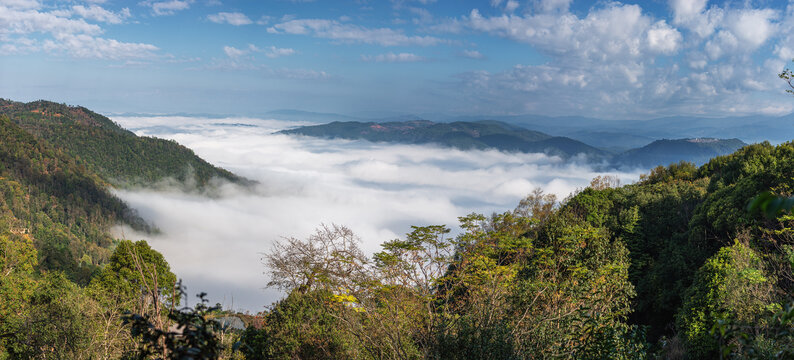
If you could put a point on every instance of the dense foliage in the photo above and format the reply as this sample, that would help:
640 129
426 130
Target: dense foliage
66 210
673 266
117 155
65 282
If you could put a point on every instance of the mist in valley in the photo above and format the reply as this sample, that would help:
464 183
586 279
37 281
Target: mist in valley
214 242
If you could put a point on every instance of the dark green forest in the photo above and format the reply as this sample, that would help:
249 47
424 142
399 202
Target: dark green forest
115 154
674 266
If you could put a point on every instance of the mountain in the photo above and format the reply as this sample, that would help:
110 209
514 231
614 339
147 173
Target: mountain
624 134
663 152
460 134
614 136
48 197
492 134
117 155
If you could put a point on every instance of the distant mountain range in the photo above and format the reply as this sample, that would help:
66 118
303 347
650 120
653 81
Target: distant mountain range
664 152
490 134
614 136
461 135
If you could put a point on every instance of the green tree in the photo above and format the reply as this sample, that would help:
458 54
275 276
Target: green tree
137 278
731 285
304 325
17 285
57 324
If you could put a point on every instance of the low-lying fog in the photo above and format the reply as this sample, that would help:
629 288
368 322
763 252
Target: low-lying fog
378 190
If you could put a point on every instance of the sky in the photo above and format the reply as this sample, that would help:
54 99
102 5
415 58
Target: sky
378 190
607 59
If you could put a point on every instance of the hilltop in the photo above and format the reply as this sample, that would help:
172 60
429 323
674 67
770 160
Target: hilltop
491 134
117 155
665 151
66 210
461 134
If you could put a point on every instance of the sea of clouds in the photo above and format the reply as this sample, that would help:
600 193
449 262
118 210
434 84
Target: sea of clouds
215 243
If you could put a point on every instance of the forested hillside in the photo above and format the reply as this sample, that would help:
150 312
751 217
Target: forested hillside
64 208
65 282
674 266
117 155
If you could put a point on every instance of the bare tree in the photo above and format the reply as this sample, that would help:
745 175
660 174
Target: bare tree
328 259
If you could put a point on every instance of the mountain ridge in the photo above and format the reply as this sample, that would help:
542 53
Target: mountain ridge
493 134
118 155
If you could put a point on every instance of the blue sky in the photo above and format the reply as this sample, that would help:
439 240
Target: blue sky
616 60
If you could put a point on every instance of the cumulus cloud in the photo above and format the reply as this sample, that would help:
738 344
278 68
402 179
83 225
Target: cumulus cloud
663 39
548 6
686 10
274 52
611 33
392 57
234 52
472 54
610 60
86 46
21 4
344 32
378 190
97 13
168 7
66 32
270 51
231 18
752 27
27 21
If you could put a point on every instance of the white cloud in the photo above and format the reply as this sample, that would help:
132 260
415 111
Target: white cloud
21 4
233 52
724 42
615 60
549 6
378 190
264 20
663 39
686 10
752 27
270 51
231 18
472 54
614 32
511 5
168 7
21 25
95 12
86 46
392 57
334 30
421 16
15 21
274 52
